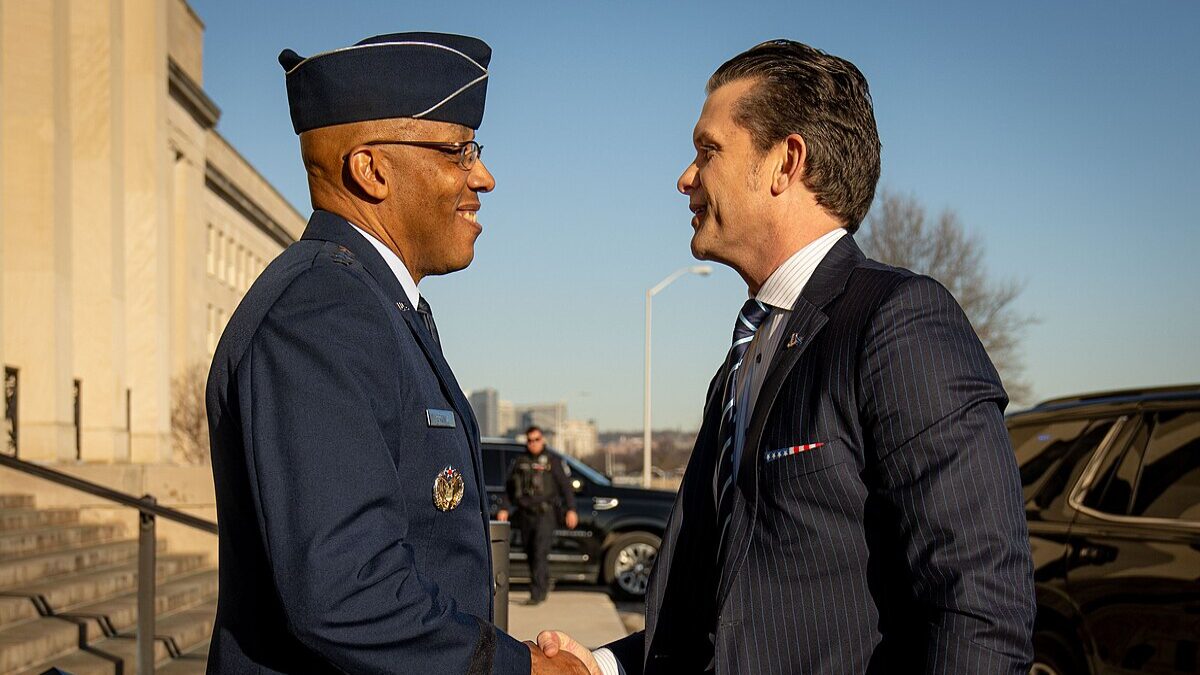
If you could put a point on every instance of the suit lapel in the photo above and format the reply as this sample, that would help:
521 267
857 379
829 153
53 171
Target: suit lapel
805 323
325 226
671 599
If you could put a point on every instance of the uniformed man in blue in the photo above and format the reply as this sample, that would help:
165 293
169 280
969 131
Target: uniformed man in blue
353 516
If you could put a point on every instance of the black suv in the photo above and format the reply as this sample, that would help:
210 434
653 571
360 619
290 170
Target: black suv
1112 497
620 528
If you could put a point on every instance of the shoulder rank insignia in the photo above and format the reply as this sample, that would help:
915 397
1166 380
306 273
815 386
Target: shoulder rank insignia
342 256
448 489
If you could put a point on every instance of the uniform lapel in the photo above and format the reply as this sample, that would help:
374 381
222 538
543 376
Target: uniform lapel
806 321
325 226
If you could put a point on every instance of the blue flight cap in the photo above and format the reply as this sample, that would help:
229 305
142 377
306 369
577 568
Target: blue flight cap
429 76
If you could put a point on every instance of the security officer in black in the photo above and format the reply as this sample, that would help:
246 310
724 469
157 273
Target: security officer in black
538 487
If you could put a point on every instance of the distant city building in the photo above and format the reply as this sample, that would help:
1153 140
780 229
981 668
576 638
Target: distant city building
500 419
506 419
578 438
549 416
485 403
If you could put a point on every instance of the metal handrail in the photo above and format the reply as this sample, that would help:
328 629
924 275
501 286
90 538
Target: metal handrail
107 493
148 511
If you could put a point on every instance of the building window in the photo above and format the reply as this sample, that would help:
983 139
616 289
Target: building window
230 261
220 271
212 245
11 441
239 269
78 394
212 329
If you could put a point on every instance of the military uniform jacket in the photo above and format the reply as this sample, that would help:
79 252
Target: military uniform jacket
331 413
877 523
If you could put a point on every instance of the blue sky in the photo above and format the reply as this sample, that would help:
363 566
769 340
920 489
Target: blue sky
1065 134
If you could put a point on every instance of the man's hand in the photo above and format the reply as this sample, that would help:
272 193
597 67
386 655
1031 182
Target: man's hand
556 642
563 662
572 520
502 516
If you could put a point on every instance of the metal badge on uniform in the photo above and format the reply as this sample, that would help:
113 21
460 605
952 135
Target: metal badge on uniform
440 418
448 489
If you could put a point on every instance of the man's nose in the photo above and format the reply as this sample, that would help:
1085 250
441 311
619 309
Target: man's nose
480 179
689 180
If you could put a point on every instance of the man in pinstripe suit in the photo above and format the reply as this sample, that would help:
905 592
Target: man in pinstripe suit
852 504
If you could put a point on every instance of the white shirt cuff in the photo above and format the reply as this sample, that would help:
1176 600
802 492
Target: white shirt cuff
609 665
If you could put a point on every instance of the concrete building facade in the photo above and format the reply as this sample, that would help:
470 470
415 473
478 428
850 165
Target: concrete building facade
578 438
486 405
129 228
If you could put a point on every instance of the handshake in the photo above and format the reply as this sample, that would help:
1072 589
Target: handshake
557 652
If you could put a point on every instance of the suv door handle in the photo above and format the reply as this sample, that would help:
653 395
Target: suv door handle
1089 554
605 503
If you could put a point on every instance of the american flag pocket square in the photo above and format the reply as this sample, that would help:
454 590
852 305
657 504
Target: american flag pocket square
773 455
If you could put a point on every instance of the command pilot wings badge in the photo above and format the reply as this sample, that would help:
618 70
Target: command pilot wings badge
448 489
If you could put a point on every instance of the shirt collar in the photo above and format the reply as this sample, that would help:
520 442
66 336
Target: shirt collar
785 284
395 264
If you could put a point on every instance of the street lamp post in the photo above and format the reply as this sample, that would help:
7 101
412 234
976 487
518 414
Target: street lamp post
701 270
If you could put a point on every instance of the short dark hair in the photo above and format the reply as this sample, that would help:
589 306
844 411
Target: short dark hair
532 428
825 99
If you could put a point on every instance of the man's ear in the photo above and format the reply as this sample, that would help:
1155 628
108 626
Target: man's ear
365 169
791 169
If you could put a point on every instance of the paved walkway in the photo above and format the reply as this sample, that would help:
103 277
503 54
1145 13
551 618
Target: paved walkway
588 616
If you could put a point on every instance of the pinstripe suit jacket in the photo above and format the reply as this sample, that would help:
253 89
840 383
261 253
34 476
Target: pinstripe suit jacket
897 546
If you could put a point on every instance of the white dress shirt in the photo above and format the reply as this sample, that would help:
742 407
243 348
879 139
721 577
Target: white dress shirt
779 292
395 264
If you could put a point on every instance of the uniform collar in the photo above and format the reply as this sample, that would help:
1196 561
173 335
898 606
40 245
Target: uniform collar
395 264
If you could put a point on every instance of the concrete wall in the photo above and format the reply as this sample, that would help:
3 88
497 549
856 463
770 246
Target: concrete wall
186 488
114 185
107 222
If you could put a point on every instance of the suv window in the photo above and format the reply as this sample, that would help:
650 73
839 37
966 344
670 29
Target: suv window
496 462
1112 490
1169 485
1048 453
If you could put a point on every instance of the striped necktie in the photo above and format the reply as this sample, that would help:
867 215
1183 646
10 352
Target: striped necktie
749 319
427 316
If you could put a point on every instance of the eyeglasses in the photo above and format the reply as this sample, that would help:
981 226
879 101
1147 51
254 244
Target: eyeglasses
468 152
535 440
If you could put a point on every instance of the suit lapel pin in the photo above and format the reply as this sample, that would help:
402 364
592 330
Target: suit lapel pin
402 307
448 489
793 340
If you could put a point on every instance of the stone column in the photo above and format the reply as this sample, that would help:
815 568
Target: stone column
3 362
97 260
36 211
147 228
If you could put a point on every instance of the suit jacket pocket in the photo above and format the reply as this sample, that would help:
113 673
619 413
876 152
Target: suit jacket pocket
800 463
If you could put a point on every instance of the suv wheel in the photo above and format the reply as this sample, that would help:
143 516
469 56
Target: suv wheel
628 563
1052 656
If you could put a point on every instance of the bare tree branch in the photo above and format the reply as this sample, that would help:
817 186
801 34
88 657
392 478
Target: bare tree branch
897 233
189 420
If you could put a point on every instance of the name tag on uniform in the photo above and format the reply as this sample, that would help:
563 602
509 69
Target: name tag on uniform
440 418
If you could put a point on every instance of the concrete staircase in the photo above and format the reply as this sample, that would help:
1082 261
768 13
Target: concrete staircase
68 596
